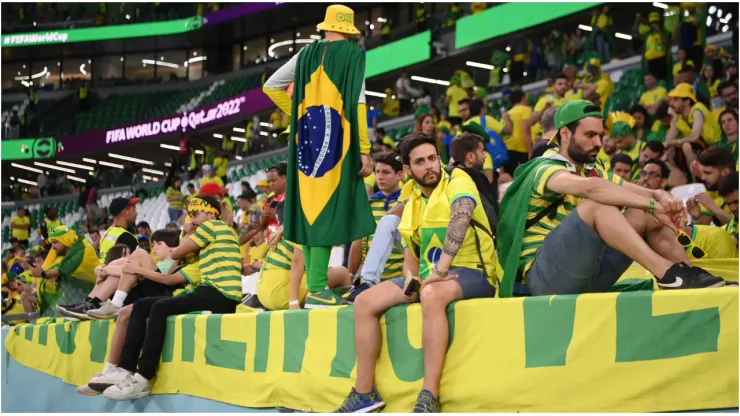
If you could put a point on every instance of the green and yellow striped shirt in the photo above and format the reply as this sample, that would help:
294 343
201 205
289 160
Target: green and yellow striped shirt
280 257
541 198
380 204
220 260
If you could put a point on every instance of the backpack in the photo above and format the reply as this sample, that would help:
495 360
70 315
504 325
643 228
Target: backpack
490 205
495 146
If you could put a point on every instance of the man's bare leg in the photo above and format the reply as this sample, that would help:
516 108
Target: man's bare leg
105 289
659 237
613 227
119 335
368 307
435 329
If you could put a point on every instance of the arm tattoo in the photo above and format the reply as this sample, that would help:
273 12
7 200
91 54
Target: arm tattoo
461 214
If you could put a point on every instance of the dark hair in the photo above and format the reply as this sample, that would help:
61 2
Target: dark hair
655 146
516 96
462 145
245 183
171 238
637 108
476 106
464 101
621 158
391 159
722 114
727 185
94 232
248 195
541 147
413 140
190 185
561 76
212 202
380 130
281 168
116 252
665 171
40 253
726 84
143 224
718 158
662 110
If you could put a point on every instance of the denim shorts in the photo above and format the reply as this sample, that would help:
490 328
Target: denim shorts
473 282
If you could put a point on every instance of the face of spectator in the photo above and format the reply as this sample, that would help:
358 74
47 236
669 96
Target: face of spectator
21 212
570 71
707 72
130 214
243 203
681 54
465 111
145 245
52 213
95 237
479 156
424 165
647 154
677 104
191 189
583 146
38 261
199 217
651 177
277 182
622 170
264 189
161 250
732 73
143 230
711 176
386 179
729 96
625 142
561 86
427 125
178 183
650 81
60 248
729 124
731 201
639 119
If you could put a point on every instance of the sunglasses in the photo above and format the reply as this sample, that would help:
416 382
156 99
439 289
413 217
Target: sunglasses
688 244
651 175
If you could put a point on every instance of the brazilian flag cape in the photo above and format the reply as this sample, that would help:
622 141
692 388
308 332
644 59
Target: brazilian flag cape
325 200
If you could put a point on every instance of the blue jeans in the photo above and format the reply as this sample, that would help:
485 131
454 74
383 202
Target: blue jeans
385 237
174 214
473 282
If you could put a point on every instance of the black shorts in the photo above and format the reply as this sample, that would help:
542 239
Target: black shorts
146 288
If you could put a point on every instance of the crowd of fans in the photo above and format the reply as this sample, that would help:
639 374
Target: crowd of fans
486 179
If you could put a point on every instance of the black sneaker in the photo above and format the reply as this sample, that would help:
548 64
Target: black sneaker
66 307
356 290
80 311
681 276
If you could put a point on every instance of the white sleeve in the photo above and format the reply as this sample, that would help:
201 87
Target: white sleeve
284 75
362 99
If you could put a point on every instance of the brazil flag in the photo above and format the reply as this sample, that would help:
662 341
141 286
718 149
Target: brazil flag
325 201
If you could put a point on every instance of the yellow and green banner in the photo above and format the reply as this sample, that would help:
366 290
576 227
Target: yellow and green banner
611 352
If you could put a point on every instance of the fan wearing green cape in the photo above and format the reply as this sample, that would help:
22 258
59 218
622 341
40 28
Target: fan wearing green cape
328 148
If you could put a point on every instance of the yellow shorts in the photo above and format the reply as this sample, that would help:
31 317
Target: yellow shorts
273 289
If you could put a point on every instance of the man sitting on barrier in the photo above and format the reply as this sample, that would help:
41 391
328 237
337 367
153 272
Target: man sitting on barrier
188 275
562 228
442 208
220 291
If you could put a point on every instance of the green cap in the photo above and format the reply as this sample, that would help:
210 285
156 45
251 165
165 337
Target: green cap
620 129
573 111
475 128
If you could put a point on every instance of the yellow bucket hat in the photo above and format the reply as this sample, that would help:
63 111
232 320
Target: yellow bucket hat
339 18
683 90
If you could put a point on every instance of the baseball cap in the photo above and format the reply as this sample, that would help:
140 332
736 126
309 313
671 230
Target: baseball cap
119 204
573 111
210 188
263 182
143 237
683 90
475 128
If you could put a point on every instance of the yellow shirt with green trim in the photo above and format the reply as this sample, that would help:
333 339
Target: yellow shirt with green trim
541 198
710 131
380 204
603 160
655 46
191 273
220 260
732 228
715 241
653 96
540 106
424 226
515 141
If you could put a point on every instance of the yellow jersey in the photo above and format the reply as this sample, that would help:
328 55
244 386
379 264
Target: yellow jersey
710 131
540 106
715 241
20 233
456 93
654 96
220 261
518 114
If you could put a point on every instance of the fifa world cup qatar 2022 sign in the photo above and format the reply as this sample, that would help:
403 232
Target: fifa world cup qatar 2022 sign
241 105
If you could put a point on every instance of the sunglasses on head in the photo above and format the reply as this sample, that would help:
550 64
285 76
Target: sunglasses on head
688 244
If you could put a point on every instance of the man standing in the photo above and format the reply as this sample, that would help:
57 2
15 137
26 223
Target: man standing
326 204
123 211
20 226
558 205
446 257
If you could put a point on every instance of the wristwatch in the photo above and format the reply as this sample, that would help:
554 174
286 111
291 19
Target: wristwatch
436 271
43 274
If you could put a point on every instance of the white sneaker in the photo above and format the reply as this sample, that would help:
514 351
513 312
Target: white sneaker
132 387
101 381
106 310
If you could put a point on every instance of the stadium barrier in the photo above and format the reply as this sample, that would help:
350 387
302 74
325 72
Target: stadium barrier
610 352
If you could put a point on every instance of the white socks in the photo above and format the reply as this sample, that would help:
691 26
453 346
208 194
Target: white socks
119 298
109 367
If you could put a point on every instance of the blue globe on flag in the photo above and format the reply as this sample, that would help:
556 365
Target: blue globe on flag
322 126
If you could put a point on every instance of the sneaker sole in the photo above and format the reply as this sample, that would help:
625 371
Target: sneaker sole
87 390
370 409
80 316
127 397
92 314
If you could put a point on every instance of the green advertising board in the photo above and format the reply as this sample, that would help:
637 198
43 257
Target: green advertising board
135 30
23 149
511 17
398 54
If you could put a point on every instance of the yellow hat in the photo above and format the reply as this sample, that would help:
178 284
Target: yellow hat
683 90
654 17
263 182
339 18
387 140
